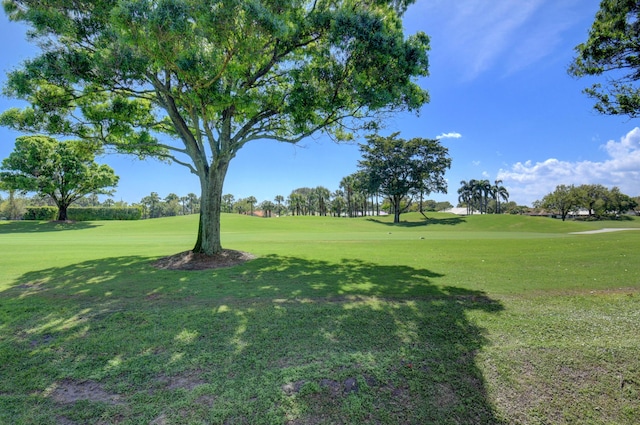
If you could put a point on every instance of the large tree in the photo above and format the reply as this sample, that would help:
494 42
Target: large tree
398 168
613 48
193 81
562 200
63 171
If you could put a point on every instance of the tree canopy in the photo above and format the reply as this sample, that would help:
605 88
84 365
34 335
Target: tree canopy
193 81
396 167
596 199
613 48
63 171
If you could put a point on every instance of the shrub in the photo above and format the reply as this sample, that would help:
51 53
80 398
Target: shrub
41 213
104 213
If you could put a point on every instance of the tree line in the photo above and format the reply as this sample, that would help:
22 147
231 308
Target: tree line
595 200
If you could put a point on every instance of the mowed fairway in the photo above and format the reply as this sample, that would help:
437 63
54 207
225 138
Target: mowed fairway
450 320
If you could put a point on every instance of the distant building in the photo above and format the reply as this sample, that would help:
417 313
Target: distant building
460 211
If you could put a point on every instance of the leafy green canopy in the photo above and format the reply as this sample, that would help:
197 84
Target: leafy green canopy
213 74
64 171
396 167
613 48
192 81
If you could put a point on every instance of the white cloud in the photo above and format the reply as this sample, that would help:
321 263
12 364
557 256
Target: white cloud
528 182
509 34
449 136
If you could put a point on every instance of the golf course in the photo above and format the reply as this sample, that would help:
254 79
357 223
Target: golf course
484 319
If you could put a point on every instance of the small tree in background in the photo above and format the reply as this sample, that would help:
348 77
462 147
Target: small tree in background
63 171
561 201
398 168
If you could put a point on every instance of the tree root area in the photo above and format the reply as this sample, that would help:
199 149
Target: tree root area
189 260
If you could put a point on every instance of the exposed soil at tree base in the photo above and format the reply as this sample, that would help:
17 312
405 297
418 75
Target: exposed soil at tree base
188 260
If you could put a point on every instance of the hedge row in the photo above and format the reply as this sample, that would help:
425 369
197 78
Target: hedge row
84 213
41 213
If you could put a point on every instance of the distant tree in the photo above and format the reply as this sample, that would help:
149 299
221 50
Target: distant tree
482 191
241 206
267 208
90 200
636 207
562 200
171 205
338 203
109 202
311 201
183 201
613 48
442 206
398 167
296 202
618 203
193 203
63 171
429 205
347 184
152 205
499 192
323 196
592 198
513 208
228 201
251 201
14 207
39 200
279 199
465 195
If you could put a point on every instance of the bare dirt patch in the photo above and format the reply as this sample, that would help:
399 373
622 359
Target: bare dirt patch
69 391
189 260
187 380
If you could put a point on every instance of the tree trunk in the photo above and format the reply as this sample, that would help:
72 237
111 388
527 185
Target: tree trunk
62 212
208 241
396 209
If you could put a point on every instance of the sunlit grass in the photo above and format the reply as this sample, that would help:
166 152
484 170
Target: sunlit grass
483 319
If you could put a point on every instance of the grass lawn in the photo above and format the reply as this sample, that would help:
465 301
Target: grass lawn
450 320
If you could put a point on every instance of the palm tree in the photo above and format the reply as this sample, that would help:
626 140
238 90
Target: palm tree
184 200
482 190
251 200
267 207
465 195
322 195
499 192
279 200
296 203
152 202
347 184
338 203
194 203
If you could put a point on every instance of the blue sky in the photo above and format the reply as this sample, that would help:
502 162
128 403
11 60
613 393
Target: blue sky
501 101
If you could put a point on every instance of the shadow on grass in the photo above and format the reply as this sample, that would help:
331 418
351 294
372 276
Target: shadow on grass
42 226
277 340
447 221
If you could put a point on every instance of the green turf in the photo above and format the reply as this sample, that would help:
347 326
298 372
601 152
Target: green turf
447 320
